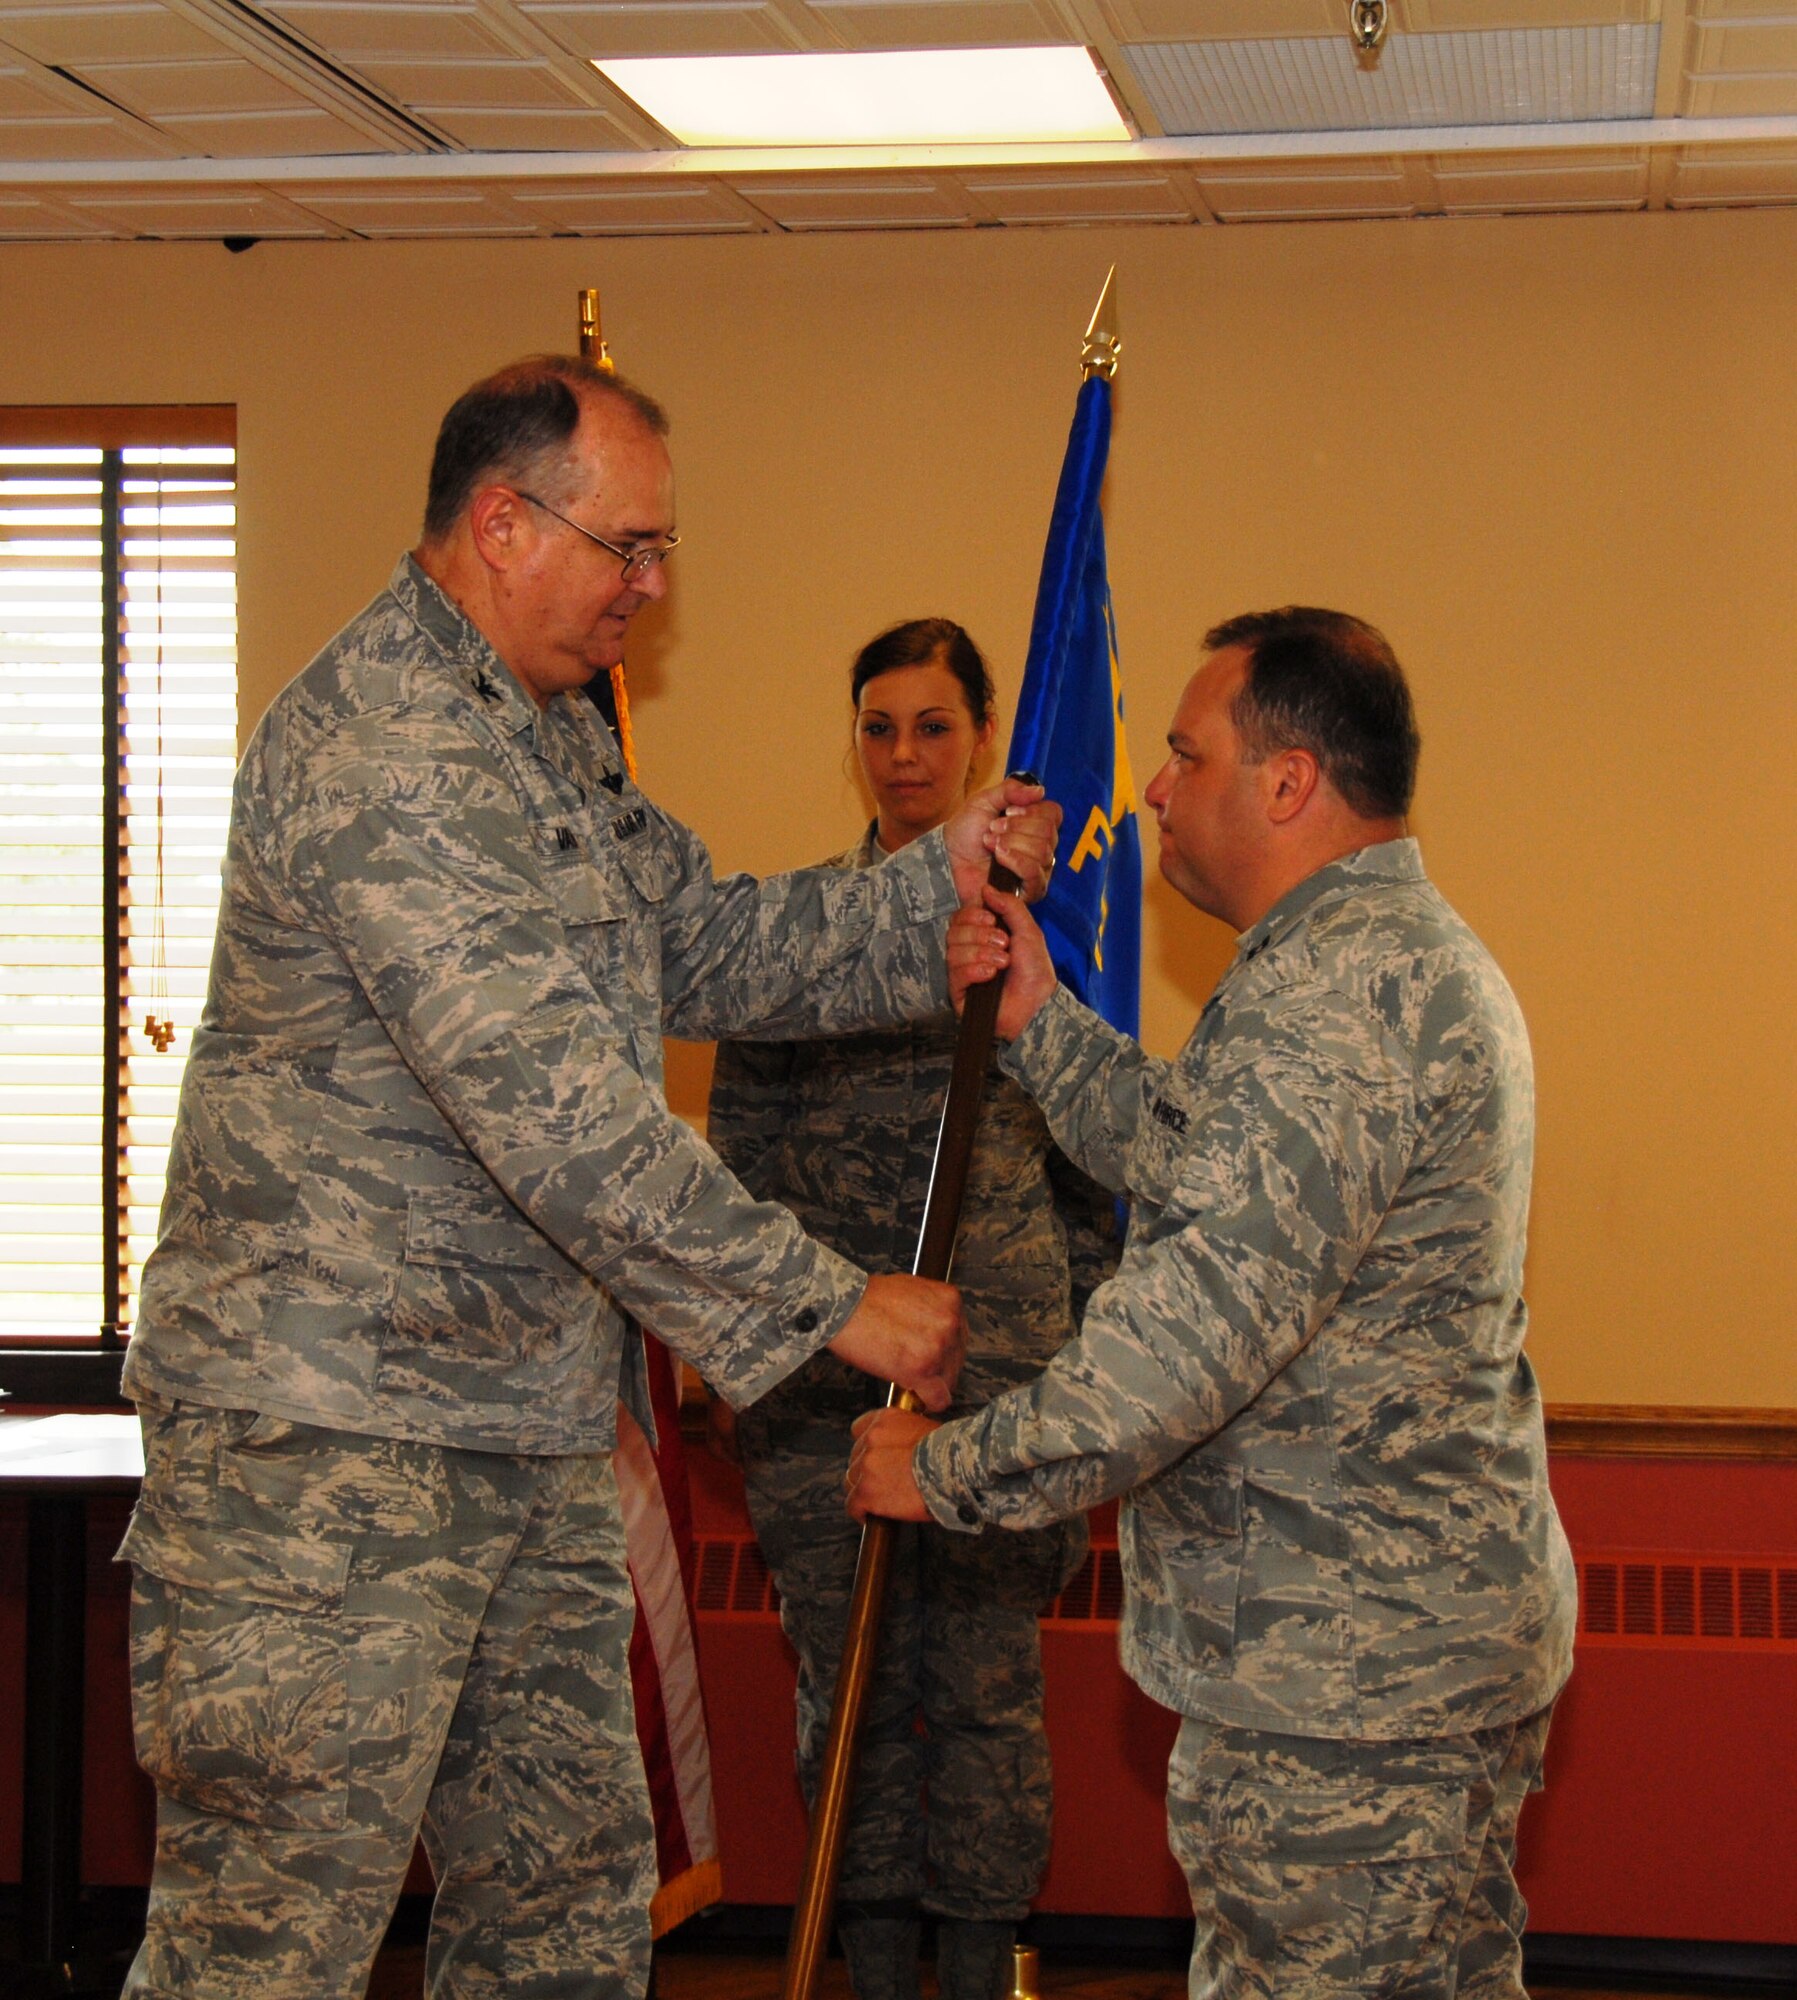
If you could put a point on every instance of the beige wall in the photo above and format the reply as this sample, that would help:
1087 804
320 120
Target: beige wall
1553 458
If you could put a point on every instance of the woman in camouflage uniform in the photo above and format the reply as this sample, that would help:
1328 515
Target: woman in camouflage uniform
952 1818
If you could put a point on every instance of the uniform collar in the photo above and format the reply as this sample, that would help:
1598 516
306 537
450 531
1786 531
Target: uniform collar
1384 861
465 649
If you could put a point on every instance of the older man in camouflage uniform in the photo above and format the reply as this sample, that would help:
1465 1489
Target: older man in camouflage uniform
421 1171
1344 1566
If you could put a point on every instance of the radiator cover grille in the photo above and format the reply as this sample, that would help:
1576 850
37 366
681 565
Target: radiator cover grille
1626 1597
1630 1598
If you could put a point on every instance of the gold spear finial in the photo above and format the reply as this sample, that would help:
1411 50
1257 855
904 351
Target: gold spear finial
592 342
1103 344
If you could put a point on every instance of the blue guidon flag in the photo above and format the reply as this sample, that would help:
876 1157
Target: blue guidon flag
1069 732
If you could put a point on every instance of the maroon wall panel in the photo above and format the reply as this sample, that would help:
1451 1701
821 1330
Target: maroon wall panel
1671 1806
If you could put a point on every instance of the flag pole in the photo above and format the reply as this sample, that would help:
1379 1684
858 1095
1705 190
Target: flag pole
594 349
810 1935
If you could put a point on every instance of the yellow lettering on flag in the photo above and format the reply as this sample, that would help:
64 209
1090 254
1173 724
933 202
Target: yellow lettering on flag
1123 783
1093 841
1098 834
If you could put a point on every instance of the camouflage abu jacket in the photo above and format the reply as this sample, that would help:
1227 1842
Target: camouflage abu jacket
422 1157
843 1131
1308 1367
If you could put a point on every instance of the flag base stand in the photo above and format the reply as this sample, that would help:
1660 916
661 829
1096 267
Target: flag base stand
1026 1972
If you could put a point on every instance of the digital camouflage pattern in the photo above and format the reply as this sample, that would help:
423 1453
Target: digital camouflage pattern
422 1163
1307 1374
843 1131
1327 1870
332 1635
960 1642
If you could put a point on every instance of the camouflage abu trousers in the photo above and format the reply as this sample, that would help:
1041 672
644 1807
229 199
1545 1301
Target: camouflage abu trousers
960 1646
1322 1869
337 1639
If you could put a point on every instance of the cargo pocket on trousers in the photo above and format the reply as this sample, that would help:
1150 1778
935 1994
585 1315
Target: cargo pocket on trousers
1345 1889
239 1671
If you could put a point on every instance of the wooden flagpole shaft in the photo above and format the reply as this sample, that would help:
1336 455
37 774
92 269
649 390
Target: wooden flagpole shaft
816 1903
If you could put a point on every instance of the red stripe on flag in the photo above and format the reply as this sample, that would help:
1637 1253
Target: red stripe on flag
664 1667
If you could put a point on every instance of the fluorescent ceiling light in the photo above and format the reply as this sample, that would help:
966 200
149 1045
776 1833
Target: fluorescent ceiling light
908 96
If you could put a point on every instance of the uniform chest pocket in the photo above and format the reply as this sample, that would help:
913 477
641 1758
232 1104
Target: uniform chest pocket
607 892
594 909
638 848
582 893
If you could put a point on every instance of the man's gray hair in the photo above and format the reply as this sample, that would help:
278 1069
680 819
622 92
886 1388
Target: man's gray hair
513 428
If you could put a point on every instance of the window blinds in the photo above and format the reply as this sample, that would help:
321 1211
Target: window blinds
118 719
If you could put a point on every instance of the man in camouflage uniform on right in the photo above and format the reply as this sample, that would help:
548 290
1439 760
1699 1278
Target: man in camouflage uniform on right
1344 1565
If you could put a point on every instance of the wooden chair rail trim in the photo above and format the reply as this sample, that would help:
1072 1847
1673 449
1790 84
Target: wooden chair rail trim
1647 1430
1583 1430
113 426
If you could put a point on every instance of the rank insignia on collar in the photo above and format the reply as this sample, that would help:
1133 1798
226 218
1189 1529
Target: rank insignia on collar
484 687
613 781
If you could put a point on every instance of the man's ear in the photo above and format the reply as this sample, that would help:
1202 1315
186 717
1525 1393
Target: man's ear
1289 781
497 526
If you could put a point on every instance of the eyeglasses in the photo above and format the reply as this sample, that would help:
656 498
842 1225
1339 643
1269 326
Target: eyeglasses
636 561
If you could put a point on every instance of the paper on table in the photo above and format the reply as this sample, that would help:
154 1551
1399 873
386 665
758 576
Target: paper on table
74 1444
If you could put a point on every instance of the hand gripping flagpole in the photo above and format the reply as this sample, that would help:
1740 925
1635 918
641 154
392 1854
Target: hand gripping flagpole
816 1903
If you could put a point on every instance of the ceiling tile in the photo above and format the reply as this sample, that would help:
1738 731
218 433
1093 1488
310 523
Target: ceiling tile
1502 183
241 135
1733 175
942 24
1741 96
1211 20
86 34
1432 16
515 85
22 96
415 211
577 129
636 209
1321 190
70 136
1501 78
891 201
200 212
362 30
591 28
1745 45
158 89
25 219
1118 197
